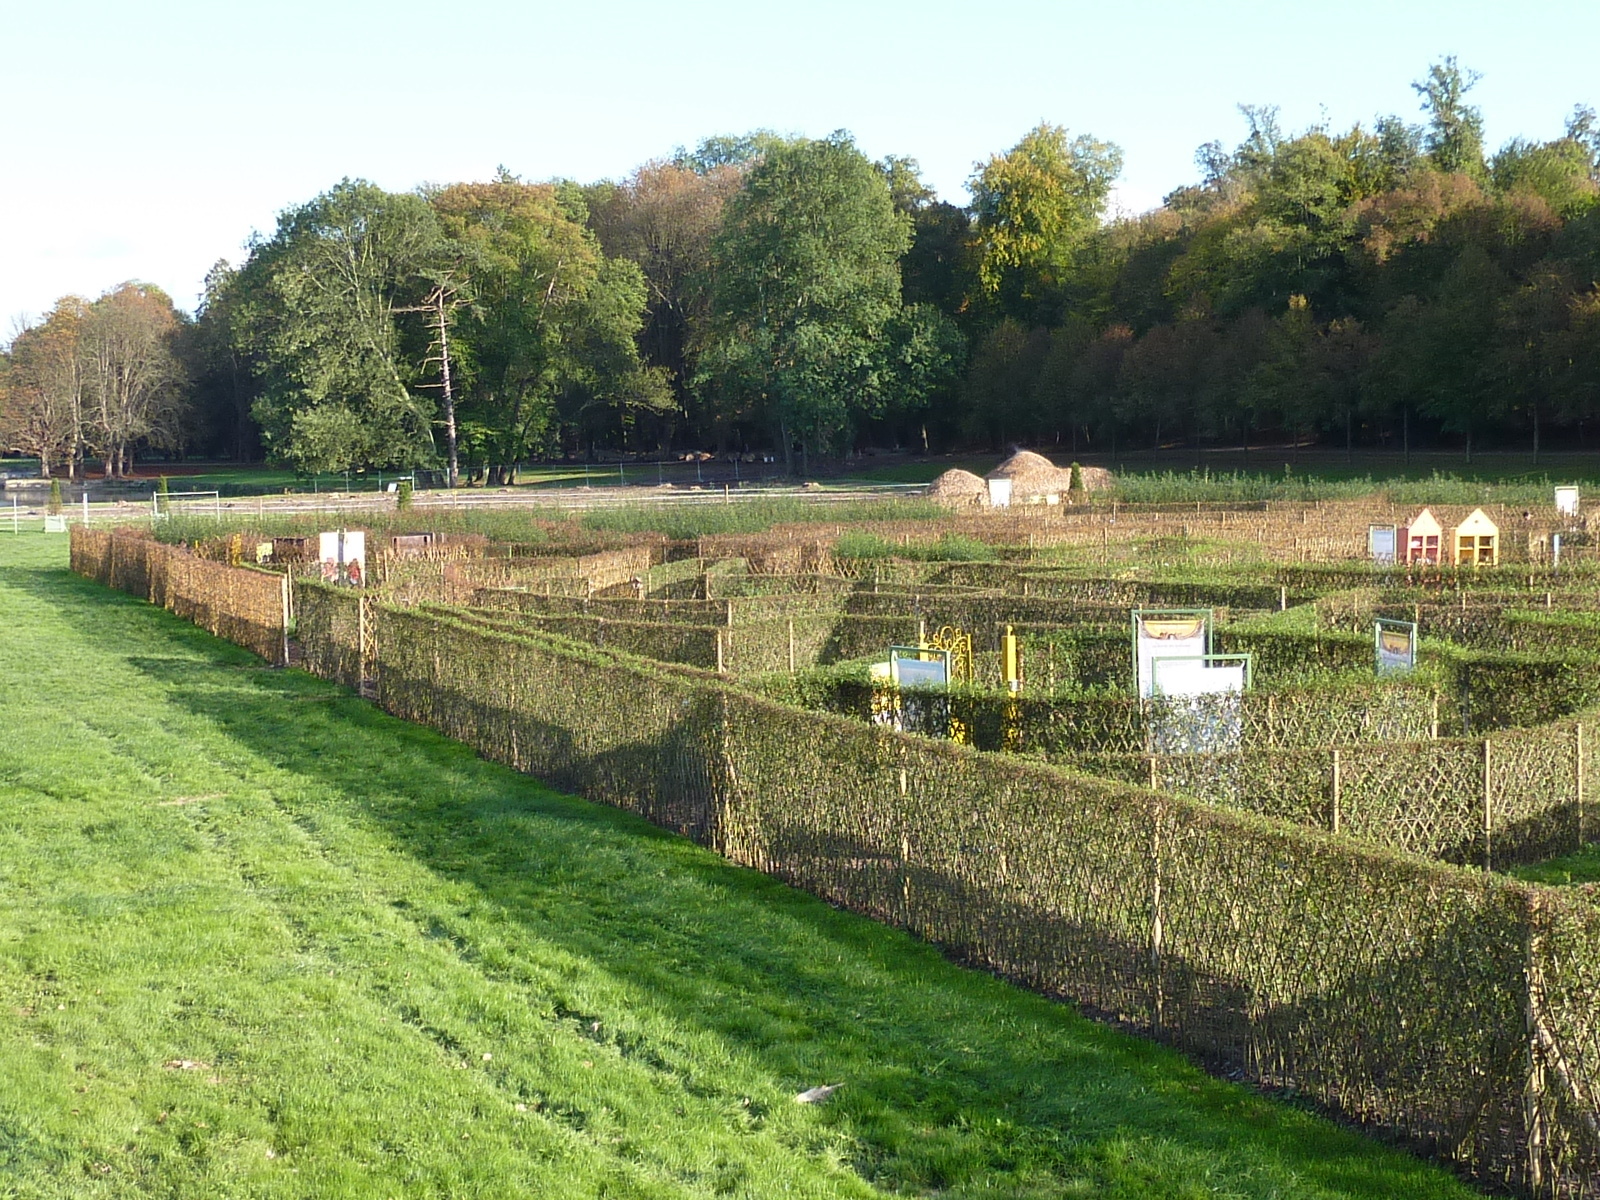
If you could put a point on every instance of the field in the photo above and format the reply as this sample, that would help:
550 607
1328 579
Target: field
258 938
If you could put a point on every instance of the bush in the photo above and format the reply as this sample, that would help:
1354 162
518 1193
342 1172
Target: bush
402 496
54 507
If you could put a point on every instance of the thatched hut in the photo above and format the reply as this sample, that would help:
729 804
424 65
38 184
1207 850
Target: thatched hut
959 489
1029 478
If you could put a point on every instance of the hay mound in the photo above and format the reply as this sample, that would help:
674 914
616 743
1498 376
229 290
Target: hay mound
1033 477
1096 479
957 488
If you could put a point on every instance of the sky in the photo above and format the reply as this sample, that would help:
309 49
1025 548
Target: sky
146 141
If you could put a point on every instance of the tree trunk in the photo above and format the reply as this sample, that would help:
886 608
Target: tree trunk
1405 431
1535 407
1349 440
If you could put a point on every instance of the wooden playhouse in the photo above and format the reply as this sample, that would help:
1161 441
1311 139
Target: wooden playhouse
1468 538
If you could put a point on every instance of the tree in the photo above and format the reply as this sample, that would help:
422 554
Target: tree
1034 207
663 218
548 344
806 284
134 385
337 372
1454 138
42 393
219 367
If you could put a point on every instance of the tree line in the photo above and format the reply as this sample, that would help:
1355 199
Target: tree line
1389 285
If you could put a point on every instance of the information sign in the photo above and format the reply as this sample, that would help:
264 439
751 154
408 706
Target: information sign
1167 633
1396 645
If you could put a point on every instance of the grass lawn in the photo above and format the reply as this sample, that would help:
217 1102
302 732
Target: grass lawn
259 939
1581 866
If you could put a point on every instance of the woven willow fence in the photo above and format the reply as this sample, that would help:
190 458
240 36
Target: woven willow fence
243 605
1518 797
1454 1008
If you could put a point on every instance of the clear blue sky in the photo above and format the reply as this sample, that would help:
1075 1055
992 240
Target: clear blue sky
147 140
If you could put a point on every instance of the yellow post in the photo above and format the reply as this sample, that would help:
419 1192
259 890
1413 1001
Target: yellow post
1011 660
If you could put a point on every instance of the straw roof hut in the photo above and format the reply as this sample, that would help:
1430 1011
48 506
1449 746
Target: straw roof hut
959 489
1034 478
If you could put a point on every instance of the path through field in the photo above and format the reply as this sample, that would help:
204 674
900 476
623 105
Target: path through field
258 939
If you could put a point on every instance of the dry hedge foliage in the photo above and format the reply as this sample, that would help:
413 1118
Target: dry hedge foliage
1452 1007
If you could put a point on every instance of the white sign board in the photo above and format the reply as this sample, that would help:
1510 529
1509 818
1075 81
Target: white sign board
1167 635
343 554
1196 677
999 493
1567 501
1381 543
55 524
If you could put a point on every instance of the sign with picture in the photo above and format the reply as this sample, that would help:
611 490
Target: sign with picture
343 554
1567 501
1396 645
1167 633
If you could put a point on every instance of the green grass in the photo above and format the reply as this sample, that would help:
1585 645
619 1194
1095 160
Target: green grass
1581 866
755 516
258 939
1436 478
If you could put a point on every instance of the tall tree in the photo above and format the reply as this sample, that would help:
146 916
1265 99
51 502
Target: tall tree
135 389
338 374
1454 139
807 283
1034 207
43 391
547 349
663 217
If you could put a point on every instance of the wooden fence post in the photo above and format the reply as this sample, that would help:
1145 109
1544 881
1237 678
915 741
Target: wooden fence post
1577 738
288 613
1335 790
1488 811
1533 1062
1157 992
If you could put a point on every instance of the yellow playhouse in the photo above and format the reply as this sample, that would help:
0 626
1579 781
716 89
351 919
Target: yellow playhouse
1474 540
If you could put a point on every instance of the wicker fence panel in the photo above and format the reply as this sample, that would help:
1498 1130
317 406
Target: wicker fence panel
330 627
1389 989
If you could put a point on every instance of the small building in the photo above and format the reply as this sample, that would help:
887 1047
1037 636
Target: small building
1028 478
1465 538
1476 540
1420 539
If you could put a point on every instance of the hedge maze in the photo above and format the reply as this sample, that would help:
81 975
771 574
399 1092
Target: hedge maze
1317 906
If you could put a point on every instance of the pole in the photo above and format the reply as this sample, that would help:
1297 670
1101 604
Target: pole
86 505
1488 812
1337 781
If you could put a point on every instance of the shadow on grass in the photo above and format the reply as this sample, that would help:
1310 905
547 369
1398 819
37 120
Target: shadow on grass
951 1076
